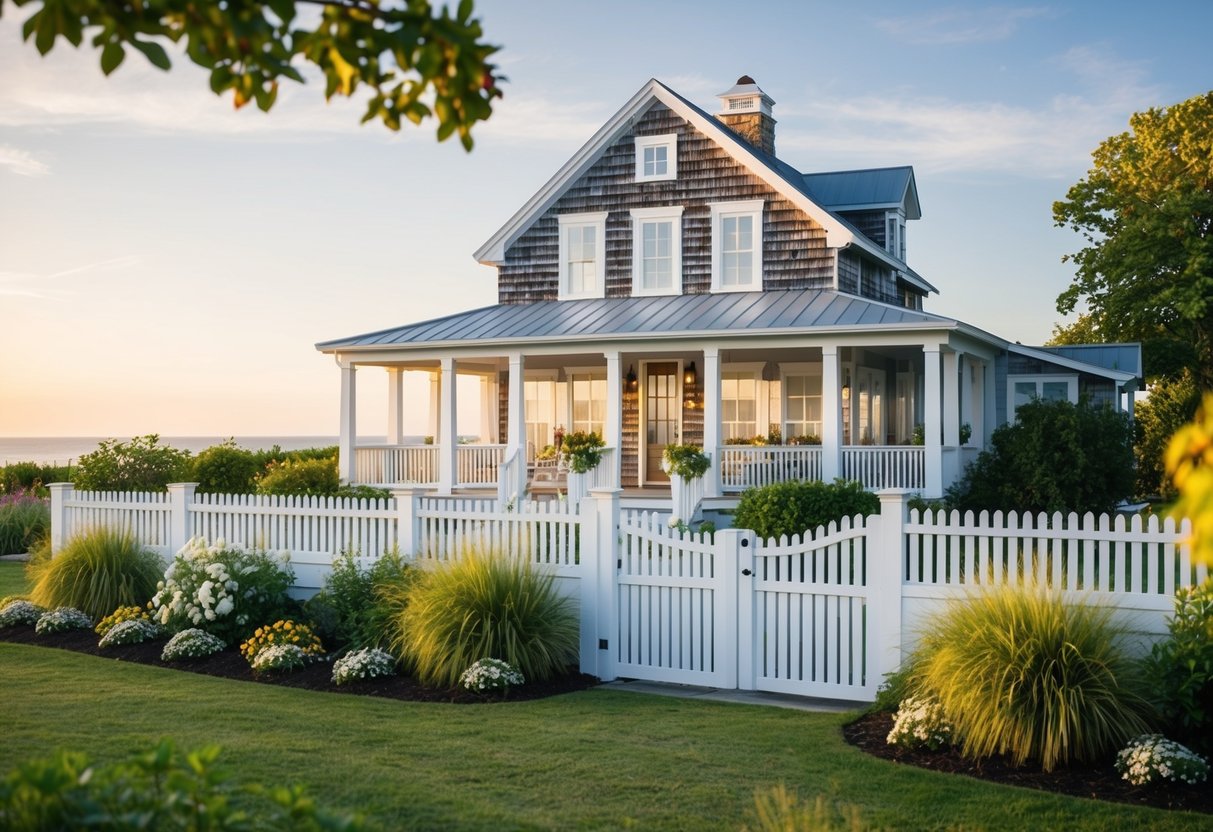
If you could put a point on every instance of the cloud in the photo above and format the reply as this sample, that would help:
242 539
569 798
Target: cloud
960 25
34 285
21 162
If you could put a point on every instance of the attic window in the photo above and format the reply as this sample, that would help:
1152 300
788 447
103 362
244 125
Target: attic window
657 158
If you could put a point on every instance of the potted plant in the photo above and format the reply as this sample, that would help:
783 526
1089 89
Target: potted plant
582 452
686 461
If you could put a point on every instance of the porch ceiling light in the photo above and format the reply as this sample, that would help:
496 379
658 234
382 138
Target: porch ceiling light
690 376
846 392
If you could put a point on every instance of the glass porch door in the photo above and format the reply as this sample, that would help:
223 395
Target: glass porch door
662 416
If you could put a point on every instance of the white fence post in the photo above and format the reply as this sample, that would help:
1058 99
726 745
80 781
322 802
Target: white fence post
734 551
180 498
61 492
598 581
886 556
408 534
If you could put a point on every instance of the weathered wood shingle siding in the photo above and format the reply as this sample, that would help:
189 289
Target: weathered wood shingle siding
795 255
871 223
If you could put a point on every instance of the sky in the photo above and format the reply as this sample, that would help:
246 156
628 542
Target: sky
168 263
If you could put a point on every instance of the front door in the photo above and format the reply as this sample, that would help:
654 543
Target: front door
662 412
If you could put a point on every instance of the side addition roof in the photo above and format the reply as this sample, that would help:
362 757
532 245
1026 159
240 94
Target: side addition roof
857 190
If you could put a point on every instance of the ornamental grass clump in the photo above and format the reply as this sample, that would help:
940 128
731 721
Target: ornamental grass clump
191 644
1152 758
96 572
223 589
133 631
1019 671
25 519
20 613
62 620
484 605
282 632
368 663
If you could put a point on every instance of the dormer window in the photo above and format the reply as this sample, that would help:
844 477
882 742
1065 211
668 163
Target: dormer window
895 234
582 255
737 246
657 158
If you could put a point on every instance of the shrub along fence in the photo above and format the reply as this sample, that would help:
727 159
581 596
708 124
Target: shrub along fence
824 615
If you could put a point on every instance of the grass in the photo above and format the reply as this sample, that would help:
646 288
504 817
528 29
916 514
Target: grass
12 578
96 572
600 759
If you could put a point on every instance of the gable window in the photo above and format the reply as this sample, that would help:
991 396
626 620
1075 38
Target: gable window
737 246
582 260
657 250
657 158
1023 389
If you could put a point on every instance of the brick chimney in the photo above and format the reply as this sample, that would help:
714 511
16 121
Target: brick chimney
746 109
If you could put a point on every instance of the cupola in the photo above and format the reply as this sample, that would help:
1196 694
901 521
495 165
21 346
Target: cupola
746 109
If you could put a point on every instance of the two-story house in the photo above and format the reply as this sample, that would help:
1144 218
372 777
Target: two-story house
675 281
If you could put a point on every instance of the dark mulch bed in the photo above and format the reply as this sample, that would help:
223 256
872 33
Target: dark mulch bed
229 664
870 733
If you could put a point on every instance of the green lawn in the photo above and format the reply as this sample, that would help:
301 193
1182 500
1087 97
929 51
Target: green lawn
12 578
592 760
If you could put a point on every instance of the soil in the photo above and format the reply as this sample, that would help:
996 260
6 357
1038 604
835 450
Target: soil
229 664
869 733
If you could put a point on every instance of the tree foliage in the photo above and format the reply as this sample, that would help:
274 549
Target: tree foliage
1189 461
1056 456
142 464
417 61
1145 211
1171 405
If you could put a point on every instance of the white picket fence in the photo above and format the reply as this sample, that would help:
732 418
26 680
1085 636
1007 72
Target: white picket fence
827 615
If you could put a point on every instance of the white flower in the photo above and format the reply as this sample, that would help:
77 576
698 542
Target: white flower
224 607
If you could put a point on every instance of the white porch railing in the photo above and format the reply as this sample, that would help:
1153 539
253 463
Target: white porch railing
685 497
403 464
478 464
603 476
885 466
511 478
744 466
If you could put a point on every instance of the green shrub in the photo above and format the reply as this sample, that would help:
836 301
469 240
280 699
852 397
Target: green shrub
357 603
226 469
1020 672
142 464
363 492
486 607
96 572
1171 405
788 508
24 520
1181 668
163 789
686 461
276 454
1056 456
583 450
31 476
313 477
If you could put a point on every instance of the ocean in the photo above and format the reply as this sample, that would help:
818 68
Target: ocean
64 449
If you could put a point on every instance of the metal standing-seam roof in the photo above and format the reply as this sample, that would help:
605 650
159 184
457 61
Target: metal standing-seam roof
850 190
670 316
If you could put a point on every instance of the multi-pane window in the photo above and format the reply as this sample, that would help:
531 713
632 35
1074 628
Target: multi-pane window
802 402
582 264
589 403
656 250
657 158
656 161
540 414
738 406
1050 389
737 246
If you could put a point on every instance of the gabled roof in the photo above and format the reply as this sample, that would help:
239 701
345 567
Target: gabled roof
857 190
781 176
669 316
1094 362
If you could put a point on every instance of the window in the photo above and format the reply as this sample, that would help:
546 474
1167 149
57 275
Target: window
895 234
657 158
588 402
1022 389
802 416
737 246
582 255
738 406
540 414
657 251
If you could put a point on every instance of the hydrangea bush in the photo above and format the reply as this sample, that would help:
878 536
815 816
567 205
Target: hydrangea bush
1151 758
223 589
490 675
279 658
368 663
131 613
131 631
191 644
920 723
61 620
282 632
20 612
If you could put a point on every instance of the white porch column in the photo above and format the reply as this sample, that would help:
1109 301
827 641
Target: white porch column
448 433
951 403
932 422
349 424
395 405
967 368
831 413
977 407
433 428
989 407
711 419
516 421
612 427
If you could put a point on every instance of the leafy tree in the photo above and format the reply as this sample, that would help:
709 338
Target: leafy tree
1145 211
1056 456
418 62
142 464
1171 405
1189 462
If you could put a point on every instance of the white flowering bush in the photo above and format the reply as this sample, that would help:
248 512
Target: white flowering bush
19 612
488 675
1152 758
920 723
61 620
132 631
367 663
223 589
191 644
279 658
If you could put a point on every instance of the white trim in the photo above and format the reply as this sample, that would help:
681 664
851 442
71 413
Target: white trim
666 140
640 216
751 208
597 221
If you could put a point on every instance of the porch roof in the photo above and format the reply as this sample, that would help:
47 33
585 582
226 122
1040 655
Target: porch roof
669 316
